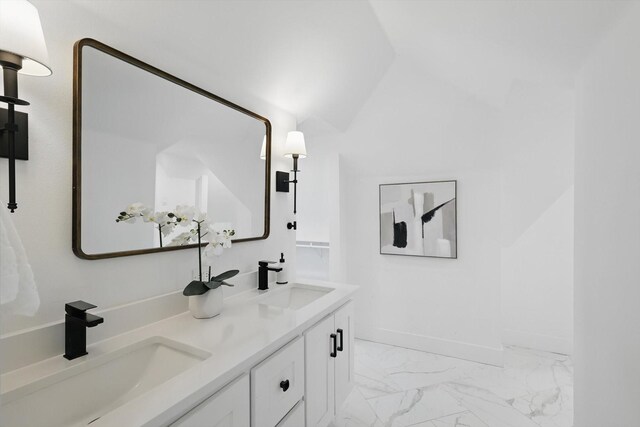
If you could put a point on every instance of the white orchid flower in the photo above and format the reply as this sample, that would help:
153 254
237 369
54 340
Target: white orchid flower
222 228
167 228
185 214
181 239
136 209
219 236
211 234
226 234
149 216
160 218
199 216
132 212
210 252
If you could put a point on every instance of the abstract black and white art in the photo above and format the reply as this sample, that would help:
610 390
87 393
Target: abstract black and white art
419 219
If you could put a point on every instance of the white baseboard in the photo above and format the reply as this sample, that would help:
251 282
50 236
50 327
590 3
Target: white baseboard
457 349
537 341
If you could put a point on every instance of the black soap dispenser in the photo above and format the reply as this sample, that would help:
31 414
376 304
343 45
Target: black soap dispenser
282 276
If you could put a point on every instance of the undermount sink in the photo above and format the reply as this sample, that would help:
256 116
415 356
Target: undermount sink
84 392
295 296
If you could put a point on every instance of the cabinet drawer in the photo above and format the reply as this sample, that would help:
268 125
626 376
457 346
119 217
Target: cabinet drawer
277 384
227 408
295 417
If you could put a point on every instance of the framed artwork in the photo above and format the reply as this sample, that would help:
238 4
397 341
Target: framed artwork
419 219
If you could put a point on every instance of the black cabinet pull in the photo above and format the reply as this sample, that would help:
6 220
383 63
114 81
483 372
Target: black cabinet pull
284 385
334 343
341 346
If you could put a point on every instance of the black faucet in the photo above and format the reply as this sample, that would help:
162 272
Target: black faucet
263 274
75 328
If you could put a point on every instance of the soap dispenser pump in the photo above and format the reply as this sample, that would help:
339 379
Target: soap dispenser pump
282 276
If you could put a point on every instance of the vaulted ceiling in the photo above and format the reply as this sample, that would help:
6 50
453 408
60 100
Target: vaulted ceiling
318 58
322 59
483 46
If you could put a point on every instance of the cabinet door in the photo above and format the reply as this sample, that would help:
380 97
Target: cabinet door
227 408
277 384
319 373
344 379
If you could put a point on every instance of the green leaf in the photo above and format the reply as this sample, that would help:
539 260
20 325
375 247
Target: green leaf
214 284
196 287
226 275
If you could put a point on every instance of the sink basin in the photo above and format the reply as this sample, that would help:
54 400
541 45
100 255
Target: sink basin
295 296
84 392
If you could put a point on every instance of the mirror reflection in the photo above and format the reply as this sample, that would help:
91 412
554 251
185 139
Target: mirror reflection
148 143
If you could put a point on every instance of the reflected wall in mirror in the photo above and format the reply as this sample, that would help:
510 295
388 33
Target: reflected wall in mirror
144 136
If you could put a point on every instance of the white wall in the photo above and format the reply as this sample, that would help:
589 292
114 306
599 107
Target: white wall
43 218
314 197
513 280
536 165
417 127
607 232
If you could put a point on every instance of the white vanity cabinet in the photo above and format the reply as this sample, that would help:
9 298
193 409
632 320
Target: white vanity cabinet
282 358
229 407
329 375
304 383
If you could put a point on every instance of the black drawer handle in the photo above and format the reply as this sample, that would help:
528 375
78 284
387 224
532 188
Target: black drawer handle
284 385
334 343
341 346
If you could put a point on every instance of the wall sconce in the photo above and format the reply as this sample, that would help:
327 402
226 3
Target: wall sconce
22 50
294 148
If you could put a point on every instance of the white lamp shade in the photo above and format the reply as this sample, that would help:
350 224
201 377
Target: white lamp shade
21 34
295 145
263 150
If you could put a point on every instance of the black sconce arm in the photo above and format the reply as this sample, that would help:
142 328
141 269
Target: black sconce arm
283 180
10 80
22 39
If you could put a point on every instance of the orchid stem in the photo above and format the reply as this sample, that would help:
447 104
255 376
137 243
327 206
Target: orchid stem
199 253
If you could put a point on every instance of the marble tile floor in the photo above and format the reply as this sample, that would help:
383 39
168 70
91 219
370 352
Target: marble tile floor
401 387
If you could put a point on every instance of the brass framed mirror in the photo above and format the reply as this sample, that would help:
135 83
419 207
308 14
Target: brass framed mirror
143 136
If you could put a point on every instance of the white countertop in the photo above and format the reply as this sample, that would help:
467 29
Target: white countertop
240 337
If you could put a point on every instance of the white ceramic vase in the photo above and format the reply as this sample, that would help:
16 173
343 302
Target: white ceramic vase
206 305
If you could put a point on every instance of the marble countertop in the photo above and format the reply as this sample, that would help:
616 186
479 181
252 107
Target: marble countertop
245 333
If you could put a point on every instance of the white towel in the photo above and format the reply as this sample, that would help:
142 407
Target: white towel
18 291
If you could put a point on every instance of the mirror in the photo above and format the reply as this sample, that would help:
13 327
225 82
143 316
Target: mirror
144 136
